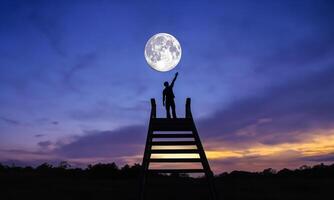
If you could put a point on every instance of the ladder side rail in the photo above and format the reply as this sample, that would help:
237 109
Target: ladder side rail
153 109
201 150
196 136
205 164
204 160
149 137
147 151
188 108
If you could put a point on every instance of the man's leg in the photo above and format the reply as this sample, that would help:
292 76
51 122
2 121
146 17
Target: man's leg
173 109
167 109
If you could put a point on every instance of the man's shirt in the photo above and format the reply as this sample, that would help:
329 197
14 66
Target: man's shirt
168 93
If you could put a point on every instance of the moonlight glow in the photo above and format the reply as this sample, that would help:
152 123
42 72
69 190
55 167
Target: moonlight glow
163 52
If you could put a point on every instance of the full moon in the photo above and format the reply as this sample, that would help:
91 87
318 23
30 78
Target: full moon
163 52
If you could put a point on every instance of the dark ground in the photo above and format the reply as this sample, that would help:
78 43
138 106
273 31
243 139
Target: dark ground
64 184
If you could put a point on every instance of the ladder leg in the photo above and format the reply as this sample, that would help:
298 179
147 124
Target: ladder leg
145 164
143 177
143 186
210 180
208 173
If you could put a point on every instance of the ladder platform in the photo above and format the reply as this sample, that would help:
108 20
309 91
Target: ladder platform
167 151
177 170
164 124
173 143
175 160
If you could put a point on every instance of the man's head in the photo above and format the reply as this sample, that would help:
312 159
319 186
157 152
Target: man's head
166 84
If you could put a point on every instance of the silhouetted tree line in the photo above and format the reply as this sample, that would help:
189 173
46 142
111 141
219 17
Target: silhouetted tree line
109 170
112 171
317 171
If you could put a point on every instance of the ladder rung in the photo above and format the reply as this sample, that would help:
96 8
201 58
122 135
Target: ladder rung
171 120
167 127
163 151
177 170
174 135
172 143
175 160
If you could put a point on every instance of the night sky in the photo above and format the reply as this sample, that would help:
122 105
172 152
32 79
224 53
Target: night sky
75 86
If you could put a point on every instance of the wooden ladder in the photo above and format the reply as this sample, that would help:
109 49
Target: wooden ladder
174 125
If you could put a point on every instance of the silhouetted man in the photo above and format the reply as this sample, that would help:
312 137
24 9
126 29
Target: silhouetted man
168 97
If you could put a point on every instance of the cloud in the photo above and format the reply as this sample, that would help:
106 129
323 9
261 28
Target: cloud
48 23
44 144
98 111
104 111
320 158
20 157
25 156
45 121
82 62
296 56
10 121
287 159
293 108
39 135
127 141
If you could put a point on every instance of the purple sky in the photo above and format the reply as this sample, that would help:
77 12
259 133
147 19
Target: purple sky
75 84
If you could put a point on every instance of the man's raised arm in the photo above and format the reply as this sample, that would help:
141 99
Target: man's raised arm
176 74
